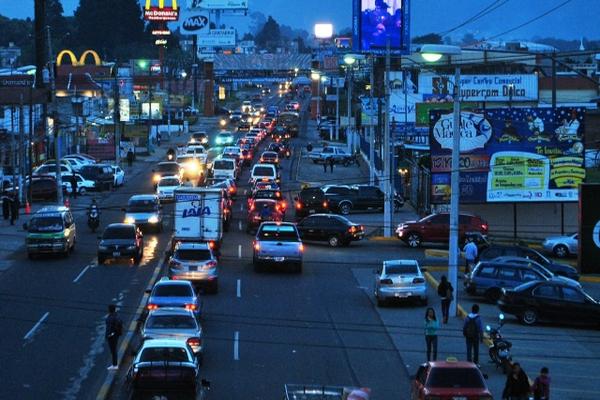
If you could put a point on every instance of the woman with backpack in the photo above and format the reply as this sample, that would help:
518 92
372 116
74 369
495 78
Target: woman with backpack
445 291
431 327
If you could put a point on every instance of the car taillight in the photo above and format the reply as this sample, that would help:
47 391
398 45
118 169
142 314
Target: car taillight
301 247
211 245
484 227
252 207
151 307
418 280
194 342
385 281
231 189
210 264
352 229
256 246
298 205
190 307
325 204
283 205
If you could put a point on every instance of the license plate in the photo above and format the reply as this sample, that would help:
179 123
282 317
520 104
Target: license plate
193 268
116 253
459 398
279 259
311 211
404 294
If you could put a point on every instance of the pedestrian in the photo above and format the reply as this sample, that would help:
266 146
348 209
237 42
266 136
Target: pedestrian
446 293
431 327
129 157
517 384
5 206
325 162
73 180
309 147
541 385
471 251
331 162
14 208
114 329
473 333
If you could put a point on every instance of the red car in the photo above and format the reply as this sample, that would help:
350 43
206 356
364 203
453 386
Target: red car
449 380
268 194
436 228
263 210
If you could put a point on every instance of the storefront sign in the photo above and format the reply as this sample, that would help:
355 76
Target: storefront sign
217 37
195 23
16 81
161 12
124 110
77 62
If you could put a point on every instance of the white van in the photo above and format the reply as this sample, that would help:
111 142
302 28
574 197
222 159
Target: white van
263 171
224 168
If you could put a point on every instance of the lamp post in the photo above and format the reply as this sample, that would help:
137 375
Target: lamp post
315 76
349 60
433 53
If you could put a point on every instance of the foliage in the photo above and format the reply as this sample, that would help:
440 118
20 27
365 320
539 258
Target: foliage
270 35
429 38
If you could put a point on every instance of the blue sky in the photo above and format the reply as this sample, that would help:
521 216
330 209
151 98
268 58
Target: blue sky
578 18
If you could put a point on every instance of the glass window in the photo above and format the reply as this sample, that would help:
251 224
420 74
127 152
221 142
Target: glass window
172 291
46 224
486 271
145 205
440 219
119 232
171 322
573 295
508 273
279 233
263 171
455 378
176 354
367 191
546 291
529 275
401 269
193 255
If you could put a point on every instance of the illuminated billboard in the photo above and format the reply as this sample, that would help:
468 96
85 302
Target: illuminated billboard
377 23
161 12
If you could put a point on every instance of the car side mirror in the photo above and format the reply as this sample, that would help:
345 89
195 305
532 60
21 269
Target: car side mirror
24 226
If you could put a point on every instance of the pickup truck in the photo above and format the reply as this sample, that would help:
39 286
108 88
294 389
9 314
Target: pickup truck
277 244
322 155
345 198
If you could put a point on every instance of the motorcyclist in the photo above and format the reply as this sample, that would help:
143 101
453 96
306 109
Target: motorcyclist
93 215
171 154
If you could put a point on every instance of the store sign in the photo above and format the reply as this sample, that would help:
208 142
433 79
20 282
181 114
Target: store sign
16 80
160 42
161 12
195 23
481 87
218 37
161 32
124 110
219 4
510 155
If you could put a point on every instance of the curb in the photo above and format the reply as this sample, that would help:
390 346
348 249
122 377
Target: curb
383 238
590 279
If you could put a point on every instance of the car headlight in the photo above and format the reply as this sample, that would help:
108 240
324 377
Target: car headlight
204 140
129 220
218 140
156 178
101 247
153 219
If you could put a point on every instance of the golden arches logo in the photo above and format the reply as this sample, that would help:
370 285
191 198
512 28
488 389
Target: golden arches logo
161 4
78 62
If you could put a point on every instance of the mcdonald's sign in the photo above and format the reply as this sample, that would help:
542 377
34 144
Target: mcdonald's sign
78 62
161 12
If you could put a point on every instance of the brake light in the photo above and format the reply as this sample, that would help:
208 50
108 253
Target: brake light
352 229
301 247
211 264
484 227
194 342
325 204
418 280
190 307
211 245
256 246
252 207
283 205
231 189
298 205
151 307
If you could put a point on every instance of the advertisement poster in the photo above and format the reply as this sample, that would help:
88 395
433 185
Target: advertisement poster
375 23
510 155
217 37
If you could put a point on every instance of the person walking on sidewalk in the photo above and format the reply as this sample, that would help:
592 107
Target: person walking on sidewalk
129 157
471 253
446 293
541 385
14 208
517 384
473 333
431 327
5 206
73 180
114 329
331 162
325 162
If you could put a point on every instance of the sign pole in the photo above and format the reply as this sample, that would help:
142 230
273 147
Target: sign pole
387 167
454 250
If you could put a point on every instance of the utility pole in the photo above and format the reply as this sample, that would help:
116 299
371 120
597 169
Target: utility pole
372 126
349 138
21 151
195 70
337 108
30 143
454 250
116 115
388 206
149 145
54 113
170 77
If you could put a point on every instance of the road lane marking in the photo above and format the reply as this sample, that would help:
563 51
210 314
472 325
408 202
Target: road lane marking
240 225
30 334
239 288
236 346
241 206
245 192
239 251
81 273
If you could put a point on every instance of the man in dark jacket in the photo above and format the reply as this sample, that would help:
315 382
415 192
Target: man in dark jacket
14 208
5 206
517 384
73 180
473 333
129 157
114 329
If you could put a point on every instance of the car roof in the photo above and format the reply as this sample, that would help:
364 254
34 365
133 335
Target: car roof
164 343
166 281
192 246
452 364
120 225
143 197
52 210
389 263
171 311
168 163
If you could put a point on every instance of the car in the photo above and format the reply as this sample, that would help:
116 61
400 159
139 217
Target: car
224 138
436 228
223 167
84 158
252 136
42 188
164 364
268 194
102 174
50 169
269 157
244 126
278 148
263 172
264 184
246 106
529 262
235 116
196 150
277 244
192 167
51 230
551 301
495 251
174 293
121 241
196 263
199 138
333 229
144 210
323 155
83 185
562 246
165 189
166 168
400 280
295 105
345 199
449 379
75 163
171 323
263 210
119 175
228 184
310 201
265 91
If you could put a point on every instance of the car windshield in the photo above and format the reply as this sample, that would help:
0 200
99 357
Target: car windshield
224 135
278 233
121 232
262 171
153 354
169 182
267 194
455 378
46 224
401 269
223 164
141 206
193 255
174 168
172 291
171 322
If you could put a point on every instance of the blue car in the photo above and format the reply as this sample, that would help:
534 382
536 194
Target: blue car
174 293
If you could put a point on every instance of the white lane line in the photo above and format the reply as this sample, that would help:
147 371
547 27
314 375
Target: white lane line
30 334
241 206
81 273
245 192
236 346
239 288
240 225
239 251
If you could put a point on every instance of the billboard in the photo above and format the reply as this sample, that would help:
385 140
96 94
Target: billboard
482 87
161 12
194 23
375 23
217 37
510 155
218 4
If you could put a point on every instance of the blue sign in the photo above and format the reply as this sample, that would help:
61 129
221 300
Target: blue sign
377 23
196 212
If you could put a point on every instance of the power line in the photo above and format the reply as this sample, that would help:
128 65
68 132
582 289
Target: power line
485 11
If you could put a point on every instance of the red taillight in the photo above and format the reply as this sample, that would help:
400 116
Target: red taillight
352 229
231 189
194 342
325 205
151 307
211 264
252 207
298 205
190 307
301 247
484 227
418 280
283 205
211 245
256 246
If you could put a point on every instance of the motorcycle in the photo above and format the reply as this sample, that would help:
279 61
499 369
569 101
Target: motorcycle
93 219
499 351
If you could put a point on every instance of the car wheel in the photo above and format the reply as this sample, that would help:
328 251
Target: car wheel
82 191
493 294
101 260
529 317
345 208
413 240
560 251
334 241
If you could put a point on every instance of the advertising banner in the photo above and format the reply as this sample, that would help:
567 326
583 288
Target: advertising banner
423 110
124 110
218 37
377 23
194 22
482 87
510 155
219 4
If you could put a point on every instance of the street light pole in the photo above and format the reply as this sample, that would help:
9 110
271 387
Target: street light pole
372 126
454 250
349 138
337 108
59 192
387 167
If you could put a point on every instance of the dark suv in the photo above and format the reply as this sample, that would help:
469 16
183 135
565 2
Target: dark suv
102 175
121 241
345 199
436 228
311 201
331 228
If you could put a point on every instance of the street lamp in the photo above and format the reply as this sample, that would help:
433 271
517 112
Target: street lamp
315 76
434 53
349 60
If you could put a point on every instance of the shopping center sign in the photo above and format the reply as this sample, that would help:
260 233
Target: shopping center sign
161 12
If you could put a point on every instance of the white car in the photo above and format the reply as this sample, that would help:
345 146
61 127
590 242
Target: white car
400 280
119 175
165 190
562 246
75 163
83 185
84 158
50 169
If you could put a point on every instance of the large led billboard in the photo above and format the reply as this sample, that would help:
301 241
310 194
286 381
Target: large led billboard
377 23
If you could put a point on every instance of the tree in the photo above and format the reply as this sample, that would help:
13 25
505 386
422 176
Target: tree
248 36
429 38
469 39
270 35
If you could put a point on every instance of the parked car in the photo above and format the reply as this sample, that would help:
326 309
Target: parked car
310 201
174 293
436 228
86 159
102 174
551 301
495 251
333 229
83 185
121 241
529 262
144 210
174 323
400 280
345 199
75 163
195 262
562 246
50 169
338 154
42 188
449 380
119 175
277 244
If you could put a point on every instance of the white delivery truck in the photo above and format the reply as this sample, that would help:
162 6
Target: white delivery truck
198 216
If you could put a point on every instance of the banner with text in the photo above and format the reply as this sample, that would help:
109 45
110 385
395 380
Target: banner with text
219 4
217 37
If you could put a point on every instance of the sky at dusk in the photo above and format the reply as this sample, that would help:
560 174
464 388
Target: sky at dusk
576 19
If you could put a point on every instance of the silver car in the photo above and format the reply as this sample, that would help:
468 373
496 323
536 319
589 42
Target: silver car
401 280
562 246
195 262
174 323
